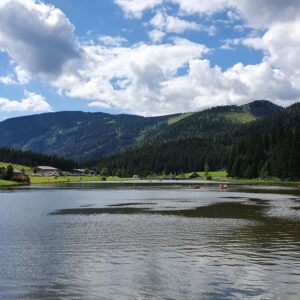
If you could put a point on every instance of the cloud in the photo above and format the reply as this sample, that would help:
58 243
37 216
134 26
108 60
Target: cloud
258 14
283 43
113 41
207 86
152 79
277 77
31 103
7 80
144 80
38 37
256 43
129 78
164 22
156 36
18 77
201 7
22 75
263 14
136 8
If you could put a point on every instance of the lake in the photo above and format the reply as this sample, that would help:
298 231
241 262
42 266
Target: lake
149 241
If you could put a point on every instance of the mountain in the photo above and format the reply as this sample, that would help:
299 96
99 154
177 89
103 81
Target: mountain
76 135
211 121
268 148
89 136
261 108
31 159
268 145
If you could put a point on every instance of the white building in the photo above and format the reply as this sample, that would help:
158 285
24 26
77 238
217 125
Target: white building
47 171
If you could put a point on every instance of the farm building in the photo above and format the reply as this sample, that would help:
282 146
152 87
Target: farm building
79 172
194 175
83 172
19 175
47 171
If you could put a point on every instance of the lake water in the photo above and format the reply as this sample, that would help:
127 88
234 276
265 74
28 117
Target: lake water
150 242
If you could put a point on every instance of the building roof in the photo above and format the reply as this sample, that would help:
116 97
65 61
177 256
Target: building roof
46 168
194 175
16 171
79 170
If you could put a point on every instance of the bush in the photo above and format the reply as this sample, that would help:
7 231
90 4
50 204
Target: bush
9 174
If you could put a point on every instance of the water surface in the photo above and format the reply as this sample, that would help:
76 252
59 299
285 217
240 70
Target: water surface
149 242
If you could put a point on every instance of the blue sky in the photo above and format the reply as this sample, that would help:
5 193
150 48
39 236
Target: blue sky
150 58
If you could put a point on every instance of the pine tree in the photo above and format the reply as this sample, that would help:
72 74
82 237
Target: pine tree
9 172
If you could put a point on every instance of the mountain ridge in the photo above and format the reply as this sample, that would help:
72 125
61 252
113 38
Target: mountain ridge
87 135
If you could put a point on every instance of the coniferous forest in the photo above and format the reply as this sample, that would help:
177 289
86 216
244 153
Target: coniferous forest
267 147
275 154
33 159
255 140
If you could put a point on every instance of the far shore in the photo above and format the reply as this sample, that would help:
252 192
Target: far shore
214 178
50 181
217 177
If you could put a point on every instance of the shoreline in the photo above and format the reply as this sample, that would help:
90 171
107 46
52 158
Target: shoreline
52 181
169 182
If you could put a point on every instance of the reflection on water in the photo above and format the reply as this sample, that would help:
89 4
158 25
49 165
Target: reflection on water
150 242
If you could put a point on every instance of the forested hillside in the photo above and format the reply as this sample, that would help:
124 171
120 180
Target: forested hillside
258 139
75 135
89 136
271 148
166 157
213 121
32 159
267 147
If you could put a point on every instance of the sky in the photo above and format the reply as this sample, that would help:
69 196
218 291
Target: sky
150 57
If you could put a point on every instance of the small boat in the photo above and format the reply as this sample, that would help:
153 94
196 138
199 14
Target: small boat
195 187
223 186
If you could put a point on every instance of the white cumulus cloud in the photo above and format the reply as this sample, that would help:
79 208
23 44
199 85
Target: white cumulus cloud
7 80
163 21
152 79
136 8
30 103
129 78
156 35
113 41
201 6
38 37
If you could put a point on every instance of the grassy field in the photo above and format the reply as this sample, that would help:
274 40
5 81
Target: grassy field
42 180
178 118
61 179
4 183
259 181
19 167
215 175
222 176
240 118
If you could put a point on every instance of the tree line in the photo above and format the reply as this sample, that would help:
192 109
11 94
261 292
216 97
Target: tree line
29 158
167 157
268 147
275 154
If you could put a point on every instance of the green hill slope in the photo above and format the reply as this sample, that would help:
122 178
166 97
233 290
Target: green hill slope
89 136
75 135
191 153
212 121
